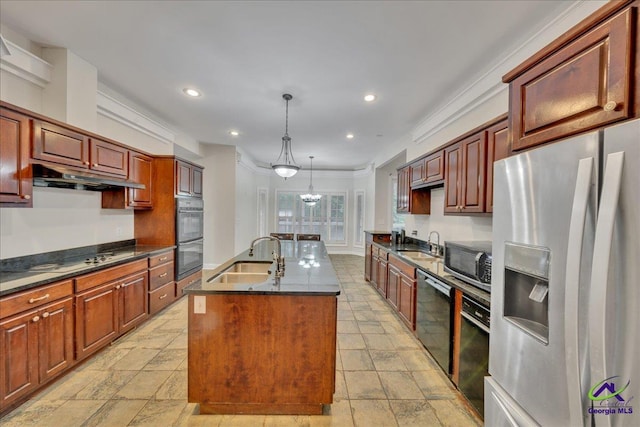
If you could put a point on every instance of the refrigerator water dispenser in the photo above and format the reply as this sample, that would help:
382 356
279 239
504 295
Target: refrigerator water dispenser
526 288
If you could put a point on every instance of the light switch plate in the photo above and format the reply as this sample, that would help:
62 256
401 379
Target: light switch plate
199 304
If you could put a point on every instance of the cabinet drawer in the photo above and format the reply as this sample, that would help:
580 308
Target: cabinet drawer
404 268
186 282
160 275
34 298
160 259
88 281
161 297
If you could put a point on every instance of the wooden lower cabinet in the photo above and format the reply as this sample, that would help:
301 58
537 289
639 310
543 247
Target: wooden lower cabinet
35 346
393 285
96 319
109 303
132 302
382 276
402 290
161 297
189 280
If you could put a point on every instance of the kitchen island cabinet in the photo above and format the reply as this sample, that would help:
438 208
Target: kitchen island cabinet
268 347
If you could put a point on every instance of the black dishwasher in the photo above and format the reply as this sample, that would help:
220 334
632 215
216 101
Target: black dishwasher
434 318
474 351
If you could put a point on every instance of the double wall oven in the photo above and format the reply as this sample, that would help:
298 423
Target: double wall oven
189 235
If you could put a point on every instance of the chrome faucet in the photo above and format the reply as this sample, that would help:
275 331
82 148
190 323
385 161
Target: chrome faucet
437 250
277 254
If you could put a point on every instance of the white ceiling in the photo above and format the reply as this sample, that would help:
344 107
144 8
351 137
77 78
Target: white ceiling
414 55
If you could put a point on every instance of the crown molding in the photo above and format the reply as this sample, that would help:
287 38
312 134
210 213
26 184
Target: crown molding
24 64
116 110
490 84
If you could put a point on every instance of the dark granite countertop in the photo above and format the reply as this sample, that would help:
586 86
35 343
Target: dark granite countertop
26 272
436 269
308 271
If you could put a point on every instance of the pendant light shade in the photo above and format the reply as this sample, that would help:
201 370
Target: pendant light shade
311 199
286 166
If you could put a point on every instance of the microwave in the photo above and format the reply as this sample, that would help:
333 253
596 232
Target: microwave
469 262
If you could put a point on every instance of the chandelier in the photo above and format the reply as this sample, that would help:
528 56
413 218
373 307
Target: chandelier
311 199
286 168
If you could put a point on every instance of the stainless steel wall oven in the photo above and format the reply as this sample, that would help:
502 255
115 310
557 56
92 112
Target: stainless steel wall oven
189 235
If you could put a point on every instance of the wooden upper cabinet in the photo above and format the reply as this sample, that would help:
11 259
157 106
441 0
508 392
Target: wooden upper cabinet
109 158
582 85
141 171
196 181
183 179
188 179
428 170
56 144
498 148
465 175
15 168
453 173
402 198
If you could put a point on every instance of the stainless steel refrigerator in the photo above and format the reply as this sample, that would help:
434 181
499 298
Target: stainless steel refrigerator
565 294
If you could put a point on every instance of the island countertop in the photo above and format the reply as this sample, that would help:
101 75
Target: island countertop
308 271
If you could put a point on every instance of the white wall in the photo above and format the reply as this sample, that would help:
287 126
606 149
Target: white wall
61 219
246 199
219 194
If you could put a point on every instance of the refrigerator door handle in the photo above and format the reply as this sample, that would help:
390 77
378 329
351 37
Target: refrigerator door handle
600 267
574 252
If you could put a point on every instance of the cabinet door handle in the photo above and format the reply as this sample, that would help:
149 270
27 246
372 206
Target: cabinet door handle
118 286
35 319
45 314
164 258
95 165
32 300
87 163
163 275
162 296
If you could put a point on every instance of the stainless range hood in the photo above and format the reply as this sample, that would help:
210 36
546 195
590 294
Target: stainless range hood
47 175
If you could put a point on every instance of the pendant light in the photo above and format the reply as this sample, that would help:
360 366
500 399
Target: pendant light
311 199
286 167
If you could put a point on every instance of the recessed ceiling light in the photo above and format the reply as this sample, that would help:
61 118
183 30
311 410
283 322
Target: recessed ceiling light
370 97
234 133
350 136
192 92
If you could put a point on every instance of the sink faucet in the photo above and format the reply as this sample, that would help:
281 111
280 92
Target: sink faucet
437 250
277 254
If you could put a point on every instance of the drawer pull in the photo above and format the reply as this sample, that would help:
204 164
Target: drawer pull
118 286
45 314
26 197
162 296
163 275
610 106
32 300
164 258
35 319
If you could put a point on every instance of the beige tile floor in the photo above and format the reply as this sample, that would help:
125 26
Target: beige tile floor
384 376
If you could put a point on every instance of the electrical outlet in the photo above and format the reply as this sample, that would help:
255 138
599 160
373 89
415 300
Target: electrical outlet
414 232
119 231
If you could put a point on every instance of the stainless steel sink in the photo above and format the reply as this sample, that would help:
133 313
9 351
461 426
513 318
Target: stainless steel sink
234 277
249 267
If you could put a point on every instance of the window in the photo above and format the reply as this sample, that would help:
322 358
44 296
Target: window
327 217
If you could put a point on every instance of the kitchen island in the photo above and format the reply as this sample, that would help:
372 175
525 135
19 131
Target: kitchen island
267 347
